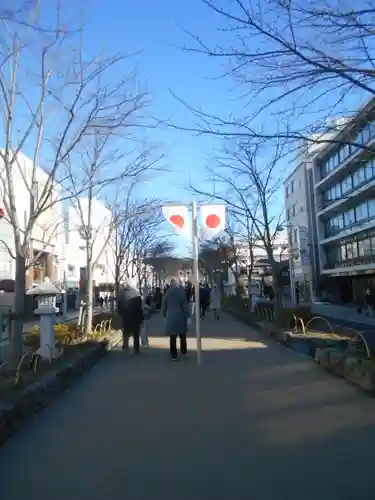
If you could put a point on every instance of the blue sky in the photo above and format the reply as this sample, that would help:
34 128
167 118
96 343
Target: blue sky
155 28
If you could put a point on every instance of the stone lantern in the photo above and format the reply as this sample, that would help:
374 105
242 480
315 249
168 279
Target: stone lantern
46 294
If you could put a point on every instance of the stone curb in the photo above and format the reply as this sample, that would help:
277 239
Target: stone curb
349 367
355 370
36 397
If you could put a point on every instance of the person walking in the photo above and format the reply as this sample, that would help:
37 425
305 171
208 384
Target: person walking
215 301
204 299
175 310
157 298
130 309
147 313
369 302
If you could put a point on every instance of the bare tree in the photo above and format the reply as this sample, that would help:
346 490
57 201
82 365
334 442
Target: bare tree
148 243
102 165
246 179
164 264
292 59
52 98
128 213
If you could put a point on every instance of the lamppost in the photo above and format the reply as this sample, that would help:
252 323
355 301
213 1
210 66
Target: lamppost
295 254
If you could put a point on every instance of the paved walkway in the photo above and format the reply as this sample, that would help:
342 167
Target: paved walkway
255 421
343 313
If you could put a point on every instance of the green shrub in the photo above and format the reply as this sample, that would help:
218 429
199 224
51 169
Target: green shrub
66 332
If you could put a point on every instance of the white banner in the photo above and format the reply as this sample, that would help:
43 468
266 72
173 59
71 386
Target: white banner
212 220
178 217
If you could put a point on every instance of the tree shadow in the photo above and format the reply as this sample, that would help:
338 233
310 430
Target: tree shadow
254 420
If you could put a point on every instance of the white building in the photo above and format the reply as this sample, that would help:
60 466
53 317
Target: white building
44 238
73 244
280 253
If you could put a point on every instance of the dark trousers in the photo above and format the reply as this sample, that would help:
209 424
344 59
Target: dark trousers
173 345
204 306
131 332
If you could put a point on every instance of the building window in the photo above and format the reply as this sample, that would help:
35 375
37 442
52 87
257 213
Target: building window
293 186
288 214
287 190
296 236
294 210
71 270
301 208
364 247
349 218
371 208
355 249
346 185
349 251
366 134
335 159
361 212
343 251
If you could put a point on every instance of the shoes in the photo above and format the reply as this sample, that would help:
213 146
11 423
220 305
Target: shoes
175 360
184 354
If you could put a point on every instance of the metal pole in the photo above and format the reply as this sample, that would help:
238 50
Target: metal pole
194 239
291 279
65 297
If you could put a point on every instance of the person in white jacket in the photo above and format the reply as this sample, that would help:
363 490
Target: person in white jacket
215 301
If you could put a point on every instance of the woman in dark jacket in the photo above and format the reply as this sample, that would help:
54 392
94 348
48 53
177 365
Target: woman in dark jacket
130 309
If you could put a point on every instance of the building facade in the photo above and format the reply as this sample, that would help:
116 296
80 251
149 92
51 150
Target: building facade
259 262
57 240
344 183
73 245
45 233
301 224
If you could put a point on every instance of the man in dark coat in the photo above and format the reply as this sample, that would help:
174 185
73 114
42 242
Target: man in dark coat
130 309
175 310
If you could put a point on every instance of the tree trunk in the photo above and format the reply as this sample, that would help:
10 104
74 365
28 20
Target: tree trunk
278 298
117 282
16 340
89 289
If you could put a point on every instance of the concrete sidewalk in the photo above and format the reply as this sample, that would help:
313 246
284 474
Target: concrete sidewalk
343 313
254 421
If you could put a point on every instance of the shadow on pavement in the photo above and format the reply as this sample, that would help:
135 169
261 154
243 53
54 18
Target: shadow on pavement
256 422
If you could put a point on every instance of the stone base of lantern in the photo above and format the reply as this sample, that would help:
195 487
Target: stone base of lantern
47 349
46 353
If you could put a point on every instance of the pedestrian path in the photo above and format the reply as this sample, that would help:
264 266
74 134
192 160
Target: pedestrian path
342 313
255 420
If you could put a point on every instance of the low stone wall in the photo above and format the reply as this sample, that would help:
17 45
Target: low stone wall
355 369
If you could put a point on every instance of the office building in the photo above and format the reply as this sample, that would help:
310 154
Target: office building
299 195
344 184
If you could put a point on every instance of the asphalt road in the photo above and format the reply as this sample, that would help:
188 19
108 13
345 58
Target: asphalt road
255 421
